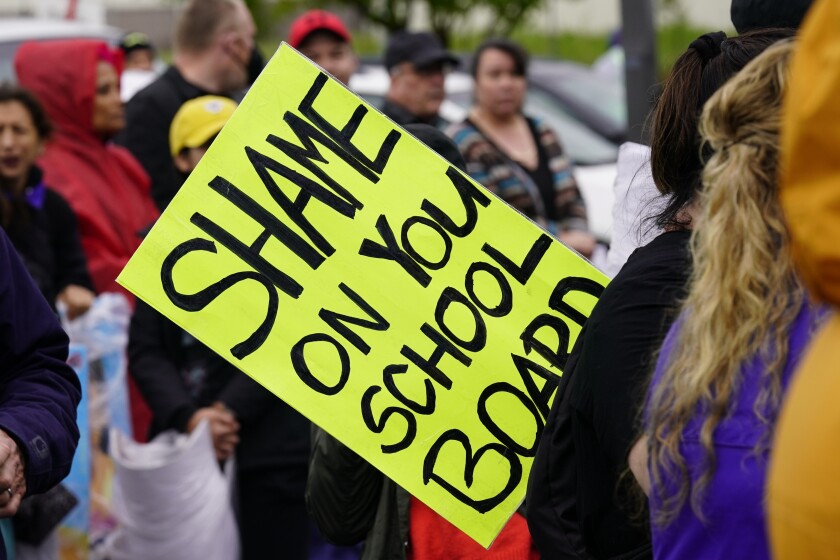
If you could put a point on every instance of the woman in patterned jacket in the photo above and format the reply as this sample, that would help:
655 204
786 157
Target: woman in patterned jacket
518 157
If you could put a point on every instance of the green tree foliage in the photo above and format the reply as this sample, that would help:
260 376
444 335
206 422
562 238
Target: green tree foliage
390 14
504 15
446 16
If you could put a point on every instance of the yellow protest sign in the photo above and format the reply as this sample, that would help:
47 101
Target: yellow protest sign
375 288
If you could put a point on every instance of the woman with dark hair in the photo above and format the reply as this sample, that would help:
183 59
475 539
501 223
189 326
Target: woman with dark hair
728 359
39 222
518 157
576 504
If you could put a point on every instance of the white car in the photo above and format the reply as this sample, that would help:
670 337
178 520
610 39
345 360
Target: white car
594 156
14 31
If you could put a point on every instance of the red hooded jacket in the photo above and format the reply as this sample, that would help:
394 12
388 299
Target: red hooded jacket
106 187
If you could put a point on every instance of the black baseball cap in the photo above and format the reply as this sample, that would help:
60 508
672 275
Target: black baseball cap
421 49
135 41
748 15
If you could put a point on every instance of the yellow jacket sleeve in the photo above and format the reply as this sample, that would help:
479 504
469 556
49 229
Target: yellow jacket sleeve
811 152
804 488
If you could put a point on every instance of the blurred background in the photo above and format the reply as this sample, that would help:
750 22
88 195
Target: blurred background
576 30
577 79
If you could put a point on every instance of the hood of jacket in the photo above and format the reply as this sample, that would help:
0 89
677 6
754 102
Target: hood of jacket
62 74
105 186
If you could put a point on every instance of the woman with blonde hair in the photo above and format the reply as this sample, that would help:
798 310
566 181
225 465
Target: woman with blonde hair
727 360
577 492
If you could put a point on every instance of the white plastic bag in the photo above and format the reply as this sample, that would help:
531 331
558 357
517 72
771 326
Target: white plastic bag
636 198
171 499
103 331
104 328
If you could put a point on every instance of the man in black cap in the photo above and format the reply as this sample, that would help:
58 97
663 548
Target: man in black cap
417 63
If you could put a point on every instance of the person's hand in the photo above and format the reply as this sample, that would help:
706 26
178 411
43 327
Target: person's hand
77 299
224 429
638 463
12 479
581 241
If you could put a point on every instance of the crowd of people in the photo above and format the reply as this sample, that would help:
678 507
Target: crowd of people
672 418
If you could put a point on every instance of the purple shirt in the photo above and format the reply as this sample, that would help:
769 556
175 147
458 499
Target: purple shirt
733 505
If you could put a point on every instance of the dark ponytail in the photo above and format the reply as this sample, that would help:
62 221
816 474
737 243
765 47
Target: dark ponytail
676 159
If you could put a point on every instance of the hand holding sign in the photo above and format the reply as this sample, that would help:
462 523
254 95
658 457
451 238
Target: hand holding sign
374 287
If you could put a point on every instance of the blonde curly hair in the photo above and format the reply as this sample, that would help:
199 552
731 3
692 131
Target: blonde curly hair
743 292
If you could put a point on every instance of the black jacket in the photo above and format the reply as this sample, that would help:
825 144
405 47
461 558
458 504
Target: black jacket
274 438
148 117
578 507
403 116
46 237
351 501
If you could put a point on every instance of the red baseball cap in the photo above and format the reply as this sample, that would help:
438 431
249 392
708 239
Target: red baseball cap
316 20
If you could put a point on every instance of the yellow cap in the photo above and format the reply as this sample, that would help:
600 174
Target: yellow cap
199 120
